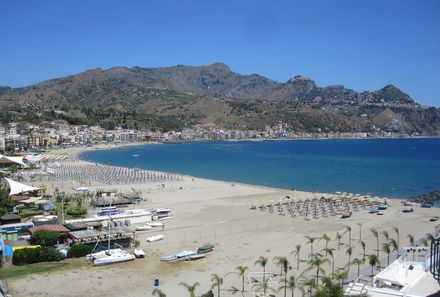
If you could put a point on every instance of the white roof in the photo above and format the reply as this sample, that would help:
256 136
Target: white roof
17 188
9 159
402 273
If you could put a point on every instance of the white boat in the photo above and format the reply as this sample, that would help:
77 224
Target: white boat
409 203
380 213
155 224
139 253
155 238
113 256
143 228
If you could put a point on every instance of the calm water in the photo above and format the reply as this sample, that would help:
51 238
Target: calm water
385 167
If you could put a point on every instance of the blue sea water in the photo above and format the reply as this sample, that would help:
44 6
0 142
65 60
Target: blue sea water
386 167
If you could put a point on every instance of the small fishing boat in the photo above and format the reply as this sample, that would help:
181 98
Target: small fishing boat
206 248
143 228
426 204
178 256
374 210
155 224
139 253
346 215
382 207
408 209
155 238
409 203
380 213
434 219
195 257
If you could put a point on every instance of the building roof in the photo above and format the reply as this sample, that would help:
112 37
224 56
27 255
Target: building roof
10 216
17 188
54 228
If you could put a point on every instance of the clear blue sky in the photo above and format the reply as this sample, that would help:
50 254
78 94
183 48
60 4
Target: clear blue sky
363 45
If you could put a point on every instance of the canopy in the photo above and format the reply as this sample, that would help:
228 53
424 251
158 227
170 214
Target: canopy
11 160
17 188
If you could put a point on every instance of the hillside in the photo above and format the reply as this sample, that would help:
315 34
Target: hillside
175 97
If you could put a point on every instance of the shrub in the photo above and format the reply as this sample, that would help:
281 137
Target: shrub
45 238
208 294
77 211
36 255
79 250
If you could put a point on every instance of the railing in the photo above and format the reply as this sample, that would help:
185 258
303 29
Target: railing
435 259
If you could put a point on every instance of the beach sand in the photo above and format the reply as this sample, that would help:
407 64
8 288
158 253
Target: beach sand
219 213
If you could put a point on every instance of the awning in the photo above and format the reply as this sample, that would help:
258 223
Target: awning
17 188
11 160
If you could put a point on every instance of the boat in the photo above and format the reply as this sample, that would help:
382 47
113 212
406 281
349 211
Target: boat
346 215
195 257
380 213
408 209
155 238
382 207
177 257
426 204
135 155
155 224
139 253
160 213
206 248
409 203
143 228
434 219
374 210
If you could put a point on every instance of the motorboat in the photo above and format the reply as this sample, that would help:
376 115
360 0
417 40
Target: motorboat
155 224
155 238
143 228
380 213
408 209
434 219
206 248
409 203
382 207
346 214
374 210
426 204
139 253
178 256
195 257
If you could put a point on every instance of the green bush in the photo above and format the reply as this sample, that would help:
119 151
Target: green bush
36 255
77 211
45 238
79 250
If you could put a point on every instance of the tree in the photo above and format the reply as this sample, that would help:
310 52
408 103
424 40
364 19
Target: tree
358 262
360 230
217 281
338 238
262 261
310 240
349 252
190 288
284 264
341 276
264 286
329 289
393 244
291 285
411 239
373 260
327 239
387 249
398 239
386 235
348 229
330 252
376 234
157 292
45 238
317 262
309 283
364 245
241 272
297 251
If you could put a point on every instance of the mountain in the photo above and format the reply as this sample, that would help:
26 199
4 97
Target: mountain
180 96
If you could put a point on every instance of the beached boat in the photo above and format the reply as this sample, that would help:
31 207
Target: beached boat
382 207
155 224
113 256
155 238
426 204
408 209
374 210
206 248
409 203
143 228
434 219
346 215
380 213
178 256
195 257
139 253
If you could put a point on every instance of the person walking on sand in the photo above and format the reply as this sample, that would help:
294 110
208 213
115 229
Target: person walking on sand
163 226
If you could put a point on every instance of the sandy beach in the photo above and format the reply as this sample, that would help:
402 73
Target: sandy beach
217 212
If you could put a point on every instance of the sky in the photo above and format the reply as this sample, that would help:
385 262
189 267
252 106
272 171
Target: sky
363 45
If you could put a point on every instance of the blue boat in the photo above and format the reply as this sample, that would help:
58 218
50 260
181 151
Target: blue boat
427 204
383 207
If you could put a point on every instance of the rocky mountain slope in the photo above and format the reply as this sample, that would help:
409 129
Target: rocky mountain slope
179 96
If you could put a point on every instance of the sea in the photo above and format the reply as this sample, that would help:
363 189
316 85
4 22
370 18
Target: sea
400 168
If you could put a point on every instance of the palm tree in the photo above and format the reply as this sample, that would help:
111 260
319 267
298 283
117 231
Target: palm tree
424 242
360 230
190 288
310 240
387 249
430 237
241 272
330 252
364 245
338 238
411 239
327 239
217 281
349 252
297 251
398 238
264 285
386 235
284 263
262 261
309 283
393 244
376 234
373 260
157 292
317 262
291 285
348 229
358 262
341 276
